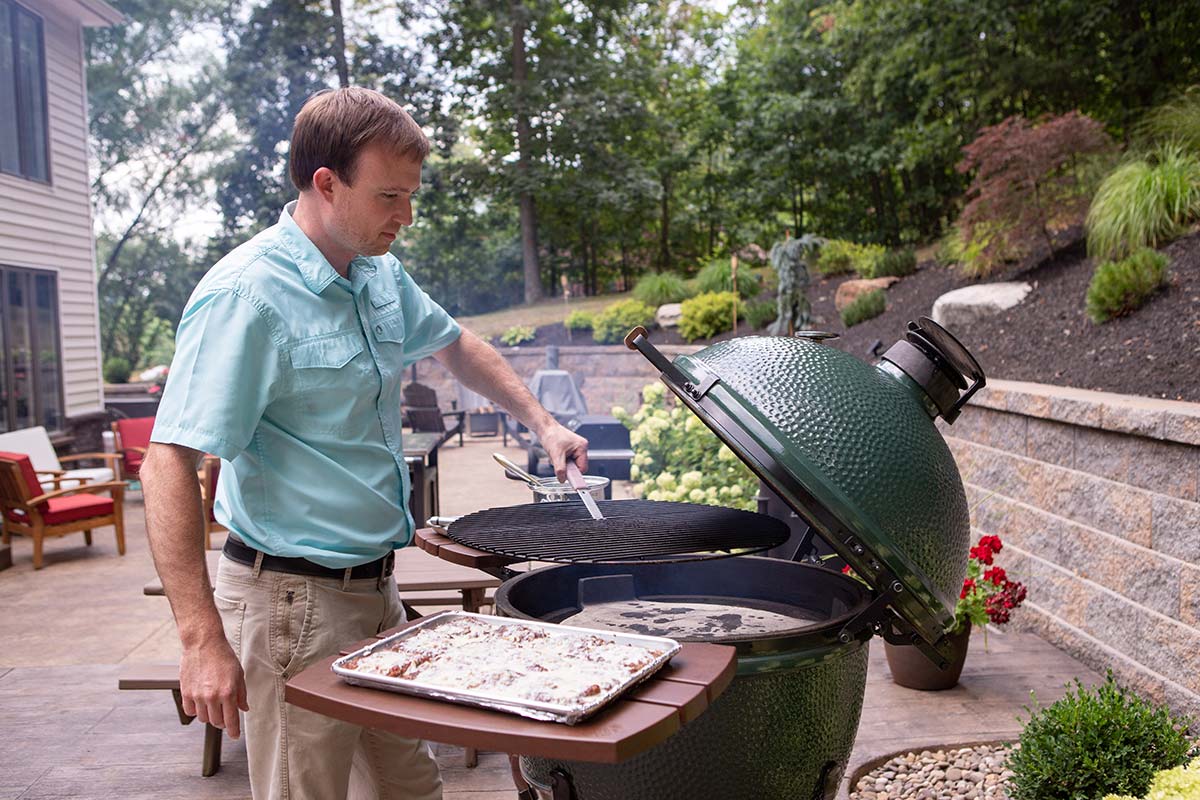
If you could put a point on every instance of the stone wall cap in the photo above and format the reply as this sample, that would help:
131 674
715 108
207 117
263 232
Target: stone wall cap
1169 420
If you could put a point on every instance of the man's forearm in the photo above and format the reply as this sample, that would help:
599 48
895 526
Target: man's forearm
175 528
481 369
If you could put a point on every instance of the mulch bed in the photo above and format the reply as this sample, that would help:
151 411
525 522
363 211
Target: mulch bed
1048 338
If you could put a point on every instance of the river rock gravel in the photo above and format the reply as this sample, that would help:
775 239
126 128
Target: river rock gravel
962 773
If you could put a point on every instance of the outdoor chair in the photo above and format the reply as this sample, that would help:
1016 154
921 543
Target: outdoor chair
131 437
424 415
30 512
209 472
482 417
35 443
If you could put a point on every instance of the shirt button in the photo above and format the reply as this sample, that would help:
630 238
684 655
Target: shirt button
379 329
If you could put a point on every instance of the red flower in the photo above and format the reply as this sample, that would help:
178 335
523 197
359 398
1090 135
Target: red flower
996 575
982 553
968 585
992 543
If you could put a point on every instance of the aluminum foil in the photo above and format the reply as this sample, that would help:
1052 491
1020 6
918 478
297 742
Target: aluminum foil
497 701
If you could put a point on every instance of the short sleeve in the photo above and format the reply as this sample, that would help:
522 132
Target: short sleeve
225 371
427 326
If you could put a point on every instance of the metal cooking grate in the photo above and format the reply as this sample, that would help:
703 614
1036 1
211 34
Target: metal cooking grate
644 531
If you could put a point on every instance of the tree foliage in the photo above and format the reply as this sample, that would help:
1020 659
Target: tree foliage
1028 182
637 137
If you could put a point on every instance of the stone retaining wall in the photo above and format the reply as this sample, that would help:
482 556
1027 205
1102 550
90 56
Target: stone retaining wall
612 375
1095 497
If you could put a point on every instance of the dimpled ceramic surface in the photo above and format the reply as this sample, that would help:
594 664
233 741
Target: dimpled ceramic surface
860 441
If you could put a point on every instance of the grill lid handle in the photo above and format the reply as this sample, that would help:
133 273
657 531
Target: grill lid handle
939 364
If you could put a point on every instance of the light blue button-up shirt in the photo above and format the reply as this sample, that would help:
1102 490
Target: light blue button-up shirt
291 374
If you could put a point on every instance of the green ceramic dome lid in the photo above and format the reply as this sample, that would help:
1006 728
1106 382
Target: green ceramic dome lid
854 450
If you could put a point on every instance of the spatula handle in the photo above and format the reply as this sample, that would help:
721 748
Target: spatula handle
575 477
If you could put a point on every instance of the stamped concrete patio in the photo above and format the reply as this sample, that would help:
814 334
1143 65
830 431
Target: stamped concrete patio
68 629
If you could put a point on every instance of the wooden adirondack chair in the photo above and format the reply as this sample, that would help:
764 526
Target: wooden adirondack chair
30 512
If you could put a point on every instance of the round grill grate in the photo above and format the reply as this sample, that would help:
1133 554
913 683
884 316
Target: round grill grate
645 531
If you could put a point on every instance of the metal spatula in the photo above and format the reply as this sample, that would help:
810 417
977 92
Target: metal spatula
575 478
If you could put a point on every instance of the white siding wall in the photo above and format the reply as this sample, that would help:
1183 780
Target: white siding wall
49 227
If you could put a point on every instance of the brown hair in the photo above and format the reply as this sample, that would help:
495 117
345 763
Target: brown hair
335 125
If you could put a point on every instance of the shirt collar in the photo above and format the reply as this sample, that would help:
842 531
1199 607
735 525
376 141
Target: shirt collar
316 270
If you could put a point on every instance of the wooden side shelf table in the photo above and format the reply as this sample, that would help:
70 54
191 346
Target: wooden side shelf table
648 715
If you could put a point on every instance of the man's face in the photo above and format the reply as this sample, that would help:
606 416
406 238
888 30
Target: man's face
369 213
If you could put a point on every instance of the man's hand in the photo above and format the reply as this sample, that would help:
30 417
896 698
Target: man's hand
562 446
213 685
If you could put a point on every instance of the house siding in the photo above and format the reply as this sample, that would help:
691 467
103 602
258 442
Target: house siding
49 226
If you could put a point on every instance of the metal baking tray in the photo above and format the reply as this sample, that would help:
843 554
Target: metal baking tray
554 712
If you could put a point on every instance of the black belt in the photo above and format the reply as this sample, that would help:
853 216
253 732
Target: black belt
244 554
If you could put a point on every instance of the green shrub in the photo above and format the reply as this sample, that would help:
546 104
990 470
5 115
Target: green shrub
1120 287
706 315
969 255
894 262
1176 121
580 321
1095 742
759 315
518 334
659 288
1178 783
116 370
865 307
838 257
1144 203
717 276
618 319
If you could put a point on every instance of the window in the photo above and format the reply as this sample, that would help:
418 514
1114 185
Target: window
23 121
30 377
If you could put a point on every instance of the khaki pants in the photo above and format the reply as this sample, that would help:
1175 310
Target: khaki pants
278 624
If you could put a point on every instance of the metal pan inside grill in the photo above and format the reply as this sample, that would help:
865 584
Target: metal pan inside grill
643 531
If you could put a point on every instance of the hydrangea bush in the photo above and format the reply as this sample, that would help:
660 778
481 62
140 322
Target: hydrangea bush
676 458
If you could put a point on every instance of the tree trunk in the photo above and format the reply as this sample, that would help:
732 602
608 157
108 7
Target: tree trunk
529 250
664 238
339 45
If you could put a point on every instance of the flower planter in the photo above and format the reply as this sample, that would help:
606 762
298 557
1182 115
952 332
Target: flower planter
911 669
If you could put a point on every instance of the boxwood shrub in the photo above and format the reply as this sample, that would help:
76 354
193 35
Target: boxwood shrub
1094 742
1120 287
618 319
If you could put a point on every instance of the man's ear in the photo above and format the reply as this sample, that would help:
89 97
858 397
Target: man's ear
323 182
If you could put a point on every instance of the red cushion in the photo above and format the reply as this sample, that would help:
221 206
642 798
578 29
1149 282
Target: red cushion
77 507
134 433
28 473
69 509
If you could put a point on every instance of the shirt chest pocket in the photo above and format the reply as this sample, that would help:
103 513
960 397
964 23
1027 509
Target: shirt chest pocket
329 362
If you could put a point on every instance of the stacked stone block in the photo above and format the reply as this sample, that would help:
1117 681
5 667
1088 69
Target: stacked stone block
1096 498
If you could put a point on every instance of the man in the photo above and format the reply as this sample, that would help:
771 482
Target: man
288 366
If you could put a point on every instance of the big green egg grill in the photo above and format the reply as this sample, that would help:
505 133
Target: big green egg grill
854 450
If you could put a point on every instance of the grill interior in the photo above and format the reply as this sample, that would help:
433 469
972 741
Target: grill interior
642 531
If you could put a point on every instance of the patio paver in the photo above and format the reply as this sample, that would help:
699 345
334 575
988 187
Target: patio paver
69 733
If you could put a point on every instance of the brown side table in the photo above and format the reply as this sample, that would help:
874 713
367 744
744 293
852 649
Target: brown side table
647 716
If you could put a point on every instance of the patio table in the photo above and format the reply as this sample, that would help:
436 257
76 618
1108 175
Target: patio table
632 724
421 455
